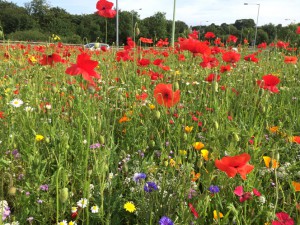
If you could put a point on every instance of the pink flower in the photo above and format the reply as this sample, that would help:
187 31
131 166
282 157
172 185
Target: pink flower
283 219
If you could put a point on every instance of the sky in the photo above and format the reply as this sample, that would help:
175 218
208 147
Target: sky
196 12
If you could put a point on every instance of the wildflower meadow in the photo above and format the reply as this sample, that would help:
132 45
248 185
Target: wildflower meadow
205 132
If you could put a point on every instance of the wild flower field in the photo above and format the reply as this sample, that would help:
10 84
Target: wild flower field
202 133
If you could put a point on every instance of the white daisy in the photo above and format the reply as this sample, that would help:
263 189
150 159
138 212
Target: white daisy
95 209
82 203
16 102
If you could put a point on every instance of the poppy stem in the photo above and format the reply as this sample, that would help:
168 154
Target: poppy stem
105 30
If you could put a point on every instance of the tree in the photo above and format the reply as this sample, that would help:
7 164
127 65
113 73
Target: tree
14 18
157 26
38 10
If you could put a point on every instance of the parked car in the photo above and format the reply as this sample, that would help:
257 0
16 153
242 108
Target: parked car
96 46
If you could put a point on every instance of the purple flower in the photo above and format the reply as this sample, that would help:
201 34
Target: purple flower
138 176
94 146
40 201
44 187
5 213
165 221
214 189
150 186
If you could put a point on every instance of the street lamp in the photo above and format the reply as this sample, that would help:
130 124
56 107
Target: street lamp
256 19
132 12
117 25
200 29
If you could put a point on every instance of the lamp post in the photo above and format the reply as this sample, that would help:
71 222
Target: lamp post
132 12
173 24
200 29
117 25
256 19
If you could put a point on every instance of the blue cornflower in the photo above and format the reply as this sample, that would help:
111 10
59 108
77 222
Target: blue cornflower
150 186
165 221
138 176
214 189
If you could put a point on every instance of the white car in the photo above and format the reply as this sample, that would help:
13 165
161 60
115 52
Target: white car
96 46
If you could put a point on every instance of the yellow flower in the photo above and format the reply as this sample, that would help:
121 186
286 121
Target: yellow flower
182 152
204 153
198 145
151 106
216 216
172 162
188 129
130 207
274 129
39 137
268 160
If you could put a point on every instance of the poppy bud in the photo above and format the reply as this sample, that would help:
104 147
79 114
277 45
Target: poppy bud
152 143
102 141
166 163
12 191
184 136
125 167
277 157
216 86
54 89
157 114
70 102
236 137
176 86
216 125
137 31
64 195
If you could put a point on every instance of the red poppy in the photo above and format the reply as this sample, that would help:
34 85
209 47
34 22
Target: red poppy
281 44
146 40
123 55
231 57
2 115
142 96
50 59
164 95
218 41
262 45
181 57
251 57
194 34
224 69
212 77
209 62
209 35
232 38
84 66
269 82
162 43
290 59
104 8
193 210
232 165
194 46
298 30
283 219
143 62
158 62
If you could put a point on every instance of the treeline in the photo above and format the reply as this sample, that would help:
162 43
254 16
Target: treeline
38 21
